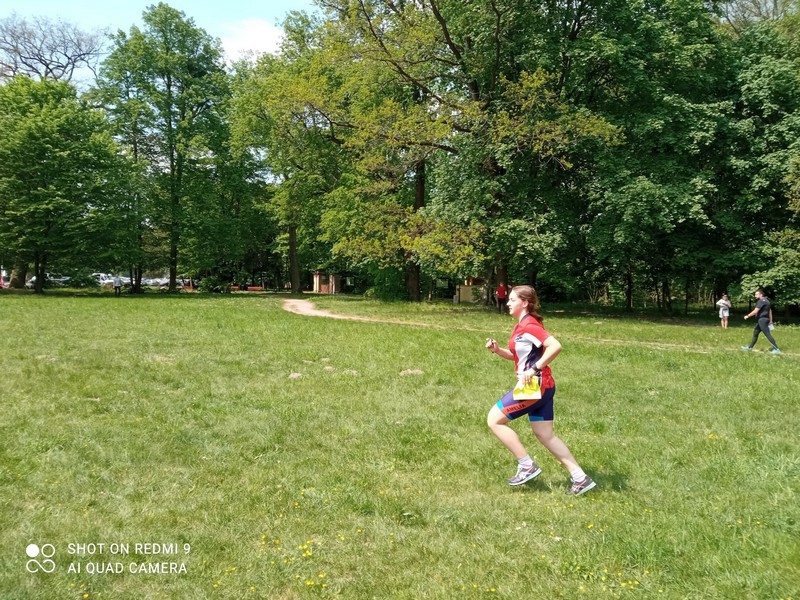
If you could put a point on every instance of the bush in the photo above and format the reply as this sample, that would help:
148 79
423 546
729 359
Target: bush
214 285
82 280
387 284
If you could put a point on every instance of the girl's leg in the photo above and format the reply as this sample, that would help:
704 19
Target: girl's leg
497 422
543 430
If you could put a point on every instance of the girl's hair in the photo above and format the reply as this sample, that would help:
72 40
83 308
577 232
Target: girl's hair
526 292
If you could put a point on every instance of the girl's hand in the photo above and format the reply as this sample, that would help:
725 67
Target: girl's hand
528 375
491 345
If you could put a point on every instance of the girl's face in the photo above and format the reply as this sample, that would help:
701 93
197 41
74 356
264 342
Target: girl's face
516 306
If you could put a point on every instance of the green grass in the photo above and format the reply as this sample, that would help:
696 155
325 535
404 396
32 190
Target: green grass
174 420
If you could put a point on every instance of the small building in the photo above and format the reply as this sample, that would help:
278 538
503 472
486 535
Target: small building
472 290
327 283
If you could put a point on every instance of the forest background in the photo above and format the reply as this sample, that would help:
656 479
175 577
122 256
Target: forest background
615 151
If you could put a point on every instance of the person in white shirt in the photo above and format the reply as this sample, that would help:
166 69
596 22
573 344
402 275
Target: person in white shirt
724 304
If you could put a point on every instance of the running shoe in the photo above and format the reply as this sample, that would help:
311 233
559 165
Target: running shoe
525 474
746 348
581 487
775 351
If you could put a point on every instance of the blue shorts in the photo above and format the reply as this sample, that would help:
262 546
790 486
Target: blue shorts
537 410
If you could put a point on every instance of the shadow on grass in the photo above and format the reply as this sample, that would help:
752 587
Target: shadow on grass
615 482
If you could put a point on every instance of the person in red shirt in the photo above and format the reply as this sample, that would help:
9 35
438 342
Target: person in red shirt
532 349
502 297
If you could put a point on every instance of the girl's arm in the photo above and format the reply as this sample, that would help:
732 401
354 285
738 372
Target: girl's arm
493 347
552 348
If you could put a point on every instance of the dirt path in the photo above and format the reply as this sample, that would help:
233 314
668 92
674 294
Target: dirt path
306 308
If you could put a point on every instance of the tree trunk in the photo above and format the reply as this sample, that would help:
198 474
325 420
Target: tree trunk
533 276
294 261
18 275
413 282
502 273
686 301
413 278
39 273
175 220
629 288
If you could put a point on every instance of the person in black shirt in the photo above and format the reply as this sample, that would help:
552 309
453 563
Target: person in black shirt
763 314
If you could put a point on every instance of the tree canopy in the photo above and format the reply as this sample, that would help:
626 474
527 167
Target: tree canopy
630 151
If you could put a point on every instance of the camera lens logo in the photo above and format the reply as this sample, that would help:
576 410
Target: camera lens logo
46 565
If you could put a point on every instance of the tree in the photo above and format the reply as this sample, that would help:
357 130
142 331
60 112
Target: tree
742 14
439 86
165 85
768 153
46 49
298 145
59 167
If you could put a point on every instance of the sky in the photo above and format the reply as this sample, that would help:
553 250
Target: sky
241 25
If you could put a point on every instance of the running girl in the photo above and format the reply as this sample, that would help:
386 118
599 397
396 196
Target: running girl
532 349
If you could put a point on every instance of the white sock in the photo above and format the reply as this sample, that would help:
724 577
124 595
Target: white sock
577 475
525 461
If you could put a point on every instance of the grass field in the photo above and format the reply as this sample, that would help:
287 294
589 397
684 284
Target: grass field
174 420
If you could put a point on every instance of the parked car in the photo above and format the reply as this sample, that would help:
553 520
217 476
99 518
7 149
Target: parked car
50 280
104 279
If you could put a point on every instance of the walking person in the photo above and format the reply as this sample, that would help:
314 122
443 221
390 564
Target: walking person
532 349
502 297
724 304
117 285
763 314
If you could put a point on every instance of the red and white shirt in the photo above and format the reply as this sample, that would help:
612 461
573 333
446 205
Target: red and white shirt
526 344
